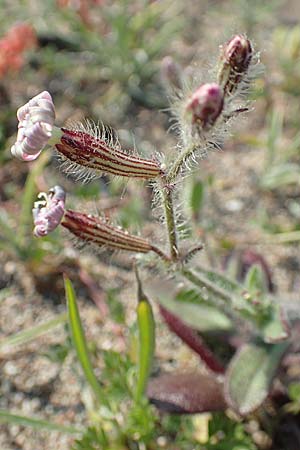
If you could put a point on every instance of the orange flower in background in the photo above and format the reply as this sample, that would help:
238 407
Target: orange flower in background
12 46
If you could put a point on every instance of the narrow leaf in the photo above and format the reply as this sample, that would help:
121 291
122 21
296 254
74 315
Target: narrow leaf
79 341
250 375
15 419
146 330
191 338
32 333
200 316
197 198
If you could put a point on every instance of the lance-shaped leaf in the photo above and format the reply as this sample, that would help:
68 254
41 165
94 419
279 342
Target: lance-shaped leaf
39 424
201 317
189 305
146 330
250 375
100 154
186 393
79 342
96 230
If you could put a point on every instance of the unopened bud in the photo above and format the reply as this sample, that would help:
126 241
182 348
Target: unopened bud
90 152
48 211
206 105
171 73
95 230
236 56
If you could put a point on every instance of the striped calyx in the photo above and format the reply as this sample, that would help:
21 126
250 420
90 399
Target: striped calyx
96 230
91 152
236 57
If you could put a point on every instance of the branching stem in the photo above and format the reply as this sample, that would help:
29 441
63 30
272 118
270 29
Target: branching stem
179 162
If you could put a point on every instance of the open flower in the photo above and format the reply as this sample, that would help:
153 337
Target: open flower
36 120
48 211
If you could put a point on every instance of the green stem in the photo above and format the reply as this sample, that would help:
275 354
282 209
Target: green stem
170 221
179 161
201 281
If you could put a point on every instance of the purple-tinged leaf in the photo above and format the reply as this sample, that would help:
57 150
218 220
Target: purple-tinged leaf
186 393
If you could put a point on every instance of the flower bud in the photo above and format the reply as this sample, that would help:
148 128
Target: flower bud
96 230
171 73
235 59
91 152
48 211
36 120
206 104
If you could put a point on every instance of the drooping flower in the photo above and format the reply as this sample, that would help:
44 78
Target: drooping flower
100 154
48 211
90 149
36 120
98 231
206 104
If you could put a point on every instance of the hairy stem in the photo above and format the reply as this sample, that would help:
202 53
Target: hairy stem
201 281
170 221
160 253
179 162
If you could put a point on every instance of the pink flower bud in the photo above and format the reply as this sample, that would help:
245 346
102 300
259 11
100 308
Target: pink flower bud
235 60
238 52
95 230
96 153
206 104
48 211
36 120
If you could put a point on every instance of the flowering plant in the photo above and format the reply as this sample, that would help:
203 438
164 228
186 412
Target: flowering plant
206 301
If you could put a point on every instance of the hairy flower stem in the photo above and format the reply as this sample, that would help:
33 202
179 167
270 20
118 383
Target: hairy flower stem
179 162
160 253
170 220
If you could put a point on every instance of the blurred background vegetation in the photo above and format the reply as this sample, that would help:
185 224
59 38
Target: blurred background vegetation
102 60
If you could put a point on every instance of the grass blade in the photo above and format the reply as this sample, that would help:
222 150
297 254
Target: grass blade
7 417
28 335
79 341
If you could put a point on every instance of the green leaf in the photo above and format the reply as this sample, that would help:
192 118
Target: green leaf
32 333
15 419
196 312
146 334
250 375
197 198
275 327
79 341
256 281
